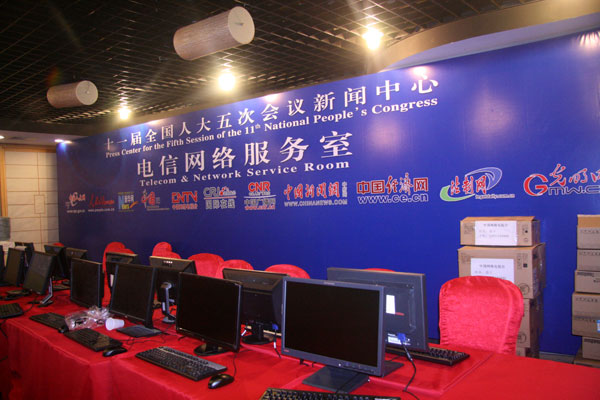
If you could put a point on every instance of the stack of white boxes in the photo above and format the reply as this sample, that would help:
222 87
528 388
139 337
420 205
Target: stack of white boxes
509 248
586 299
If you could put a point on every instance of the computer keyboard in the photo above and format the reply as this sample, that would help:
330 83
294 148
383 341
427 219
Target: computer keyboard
59 286
434 354
93 340
288 394
10 310
52 320
184 364
138 331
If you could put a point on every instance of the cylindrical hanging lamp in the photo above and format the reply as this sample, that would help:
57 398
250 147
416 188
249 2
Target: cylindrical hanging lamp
83 93
220 32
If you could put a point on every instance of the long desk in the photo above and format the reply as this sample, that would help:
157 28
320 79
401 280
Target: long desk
40 363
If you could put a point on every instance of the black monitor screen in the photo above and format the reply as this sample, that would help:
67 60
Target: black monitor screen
339 324
170 276
261 300
405 320
2 263
133 293
182 264
62 267
87 283
15 267
39 272
209 309
29 249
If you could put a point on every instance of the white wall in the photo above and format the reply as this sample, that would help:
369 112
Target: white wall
31 196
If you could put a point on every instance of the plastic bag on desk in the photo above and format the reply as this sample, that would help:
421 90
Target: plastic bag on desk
91 318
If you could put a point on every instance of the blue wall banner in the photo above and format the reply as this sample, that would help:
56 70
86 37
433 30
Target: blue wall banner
373 171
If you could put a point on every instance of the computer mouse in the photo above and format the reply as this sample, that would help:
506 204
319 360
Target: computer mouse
113 351
219 380
63 329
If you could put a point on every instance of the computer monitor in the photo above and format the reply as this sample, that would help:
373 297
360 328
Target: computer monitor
87 283
405 320
15 266
62 267
209 309
339 324
29 249
38 276
133 293
261 301
179 263
72 252
112 258
167 283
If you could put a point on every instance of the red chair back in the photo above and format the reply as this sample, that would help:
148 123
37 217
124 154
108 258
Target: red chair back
237 264
165 253
116 247
481 312
380 269
289 269
207 264
161 247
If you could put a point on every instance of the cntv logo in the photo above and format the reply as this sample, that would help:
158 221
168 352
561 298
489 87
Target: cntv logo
184 197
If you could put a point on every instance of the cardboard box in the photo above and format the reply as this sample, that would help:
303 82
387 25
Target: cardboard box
524 266
499 231
587 281
590 348
586 305
586 326
532 322
588 259
579 360
533 351
588 231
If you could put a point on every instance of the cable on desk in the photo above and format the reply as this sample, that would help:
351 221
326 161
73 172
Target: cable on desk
413 375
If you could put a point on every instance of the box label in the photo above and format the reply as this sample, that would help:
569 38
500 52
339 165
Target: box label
496 233
497 267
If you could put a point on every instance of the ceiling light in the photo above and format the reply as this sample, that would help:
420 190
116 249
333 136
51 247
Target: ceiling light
124 112
373 38
226 81
1 137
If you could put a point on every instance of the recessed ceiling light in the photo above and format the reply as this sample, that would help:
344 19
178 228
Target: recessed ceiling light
1 137
373 38
124 112
226 81
58 140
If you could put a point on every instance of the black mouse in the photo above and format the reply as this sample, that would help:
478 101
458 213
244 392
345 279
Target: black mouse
219 380
63 329
113 351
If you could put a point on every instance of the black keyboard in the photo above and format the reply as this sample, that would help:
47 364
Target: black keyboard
184 364
93 340
288 394
10 310
59 286
137 331
434 354
52 320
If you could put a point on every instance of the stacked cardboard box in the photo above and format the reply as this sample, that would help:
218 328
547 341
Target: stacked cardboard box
509 248
586 298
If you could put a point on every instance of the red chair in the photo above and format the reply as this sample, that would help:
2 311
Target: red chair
480 312
116 247
58 244
237 264
289 269
207 264
161 247
380 269
165 253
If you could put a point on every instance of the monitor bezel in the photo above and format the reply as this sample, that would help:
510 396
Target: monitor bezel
146 320
61 270
376 370
133 258
90 265
180 263
46 278
203 337
390 281
21 269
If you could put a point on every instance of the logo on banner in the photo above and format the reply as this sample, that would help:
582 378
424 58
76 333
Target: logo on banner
393 190
100 204
216 198
321 194
259 197
151 202
126 201
581 182
476 183
186 200
74 203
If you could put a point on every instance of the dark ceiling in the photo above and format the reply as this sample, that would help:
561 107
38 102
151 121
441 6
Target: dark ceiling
126 48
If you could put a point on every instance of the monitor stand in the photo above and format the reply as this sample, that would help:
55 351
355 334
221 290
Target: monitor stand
337 380
208 350
257 336
166 305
